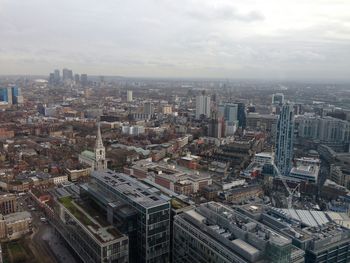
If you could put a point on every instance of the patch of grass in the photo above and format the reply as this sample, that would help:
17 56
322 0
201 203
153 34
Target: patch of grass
177 204
67 201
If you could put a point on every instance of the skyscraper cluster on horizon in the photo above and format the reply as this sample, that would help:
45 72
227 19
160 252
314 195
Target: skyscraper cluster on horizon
55 77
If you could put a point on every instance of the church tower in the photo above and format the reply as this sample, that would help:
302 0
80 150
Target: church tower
100 151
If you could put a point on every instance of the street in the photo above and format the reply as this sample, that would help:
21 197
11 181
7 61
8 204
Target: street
45 244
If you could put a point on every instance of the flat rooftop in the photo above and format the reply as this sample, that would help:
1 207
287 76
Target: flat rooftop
18 216
131 188
306 217
98 227
264 154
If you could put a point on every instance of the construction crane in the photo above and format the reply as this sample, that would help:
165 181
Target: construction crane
291 192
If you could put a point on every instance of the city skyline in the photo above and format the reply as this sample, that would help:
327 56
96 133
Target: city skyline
189 131
248 39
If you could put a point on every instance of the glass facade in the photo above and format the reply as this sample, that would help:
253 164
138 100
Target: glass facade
152 237
284 140
4 94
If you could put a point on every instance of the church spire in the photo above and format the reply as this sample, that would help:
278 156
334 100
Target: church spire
100 151
99 142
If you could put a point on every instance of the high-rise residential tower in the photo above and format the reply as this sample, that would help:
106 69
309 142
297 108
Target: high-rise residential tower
284 139
129 96
202 106
148 108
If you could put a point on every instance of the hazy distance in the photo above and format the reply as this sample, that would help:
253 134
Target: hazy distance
184 38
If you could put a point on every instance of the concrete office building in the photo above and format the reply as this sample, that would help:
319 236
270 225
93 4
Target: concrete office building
306 169
326 130
262 122
263 158
312 231
133 130
8 204
167 109
137 211
202 106
284 139
93 239
148 108
15 225
216 233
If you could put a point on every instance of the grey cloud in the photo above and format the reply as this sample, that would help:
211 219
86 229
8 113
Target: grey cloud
164 38
228 13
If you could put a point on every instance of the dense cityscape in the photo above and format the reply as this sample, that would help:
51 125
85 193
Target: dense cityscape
103 169
187 131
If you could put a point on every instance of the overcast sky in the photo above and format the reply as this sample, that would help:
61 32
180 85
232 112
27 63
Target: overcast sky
177 38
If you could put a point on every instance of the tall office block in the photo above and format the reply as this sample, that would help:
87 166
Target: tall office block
233 112
213 232
6 95
202 106
284 139
11 95
228 111
148 108
241 116
84 79
216 127
137 211
129 96
16 95
52 78
57 76
67 74
76 78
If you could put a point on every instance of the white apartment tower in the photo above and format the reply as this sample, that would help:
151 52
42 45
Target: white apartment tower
129 96
202 106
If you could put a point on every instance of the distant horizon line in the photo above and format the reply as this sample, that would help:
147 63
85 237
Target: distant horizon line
320 80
